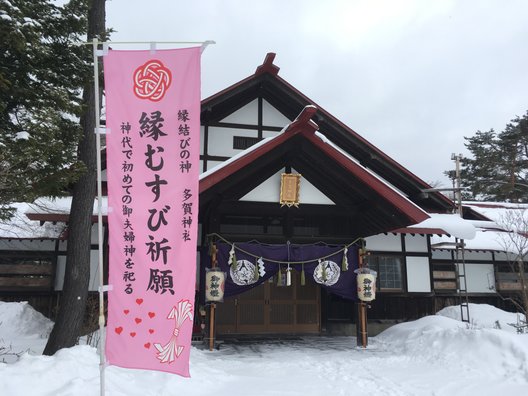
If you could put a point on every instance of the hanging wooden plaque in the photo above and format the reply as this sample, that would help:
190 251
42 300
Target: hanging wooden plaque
290 189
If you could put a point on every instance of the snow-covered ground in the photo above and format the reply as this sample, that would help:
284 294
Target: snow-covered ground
436 355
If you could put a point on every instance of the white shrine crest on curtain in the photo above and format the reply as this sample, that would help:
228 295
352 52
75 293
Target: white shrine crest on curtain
243 273
327 273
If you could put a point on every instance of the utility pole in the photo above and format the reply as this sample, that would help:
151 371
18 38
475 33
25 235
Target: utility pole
460 262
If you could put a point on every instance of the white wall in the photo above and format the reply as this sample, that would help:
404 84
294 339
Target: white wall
269 191
212 164
95 234
418 275
272 117
247 114
202 140
385 243
479 277
477 255
502 256
441 254
416 243
221 140
267 134
94 270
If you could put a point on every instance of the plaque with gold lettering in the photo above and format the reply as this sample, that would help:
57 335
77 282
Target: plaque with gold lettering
290 186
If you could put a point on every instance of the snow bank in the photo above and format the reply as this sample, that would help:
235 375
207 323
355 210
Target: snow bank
484 316
436 355
478 346
22 329
21 319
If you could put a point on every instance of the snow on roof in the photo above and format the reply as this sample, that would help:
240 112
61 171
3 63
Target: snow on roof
483 240
498 212
61 206
21 227
494 234
325 140
453 224
488 236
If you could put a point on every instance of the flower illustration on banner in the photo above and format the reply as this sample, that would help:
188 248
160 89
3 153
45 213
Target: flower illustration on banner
171 351
152 80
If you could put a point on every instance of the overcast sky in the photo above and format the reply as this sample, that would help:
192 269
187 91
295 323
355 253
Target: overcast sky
411 76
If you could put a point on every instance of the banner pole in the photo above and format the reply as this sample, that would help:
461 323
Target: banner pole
99 221
203 43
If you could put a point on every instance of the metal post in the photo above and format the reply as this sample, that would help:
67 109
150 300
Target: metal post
99 221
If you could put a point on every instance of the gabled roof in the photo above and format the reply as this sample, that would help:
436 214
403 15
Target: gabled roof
266 83
377 206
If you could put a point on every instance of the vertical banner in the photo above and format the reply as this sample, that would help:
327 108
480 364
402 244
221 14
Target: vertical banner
152 146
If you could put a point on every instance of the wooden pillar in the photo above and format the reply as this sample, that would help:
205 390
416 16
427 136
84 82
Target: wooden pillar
362 336
361 328
213 305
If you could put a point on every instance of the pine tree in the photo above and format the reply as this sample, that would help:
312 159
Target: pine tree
498 169
42 73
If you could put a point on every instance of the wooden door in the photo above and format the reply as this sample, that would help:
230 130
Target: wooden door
269 309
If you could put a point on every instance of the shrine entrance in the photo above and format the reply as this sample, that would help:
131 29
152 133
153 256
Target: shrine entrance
268 308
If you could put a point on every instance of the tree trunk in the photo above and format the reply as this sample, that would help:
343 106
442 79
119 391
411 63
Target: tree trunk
77 275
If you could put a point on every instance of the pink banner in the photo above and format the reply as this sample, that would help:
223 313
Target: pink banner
153 114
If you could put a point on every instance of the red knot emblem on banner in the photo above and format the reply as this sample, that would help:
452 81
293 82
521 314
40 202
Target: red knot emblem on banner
152 80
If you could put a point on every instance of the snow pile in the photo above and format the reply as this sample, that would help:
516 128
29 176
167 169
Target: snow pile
484 316
459 344
22 329
491 360
20 319
435 355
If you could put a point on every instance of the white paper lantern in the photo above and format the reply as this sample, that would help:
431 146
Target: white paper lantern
214 285
366 284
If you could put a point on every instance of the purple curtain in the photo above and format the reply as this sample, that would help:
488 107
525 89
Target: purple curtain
327 274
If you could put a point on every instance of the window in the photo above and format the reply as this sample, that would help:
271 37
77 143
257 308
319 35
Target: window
389 269
244 142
